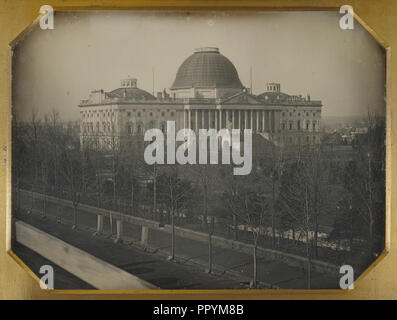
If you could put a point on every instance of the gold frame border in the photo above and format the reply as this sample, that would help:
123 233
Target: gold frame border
190 5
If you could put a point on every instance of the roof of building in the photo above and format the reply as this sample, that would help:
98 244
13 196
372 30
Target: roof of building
242 98
130 93
280 98
207 68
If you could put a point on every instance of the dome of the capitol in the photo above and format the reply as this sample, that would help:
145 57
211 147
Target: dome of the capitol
207 68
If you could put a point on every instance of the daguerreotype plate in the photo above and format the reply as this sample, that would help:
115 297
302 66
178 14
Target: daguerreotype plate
197 150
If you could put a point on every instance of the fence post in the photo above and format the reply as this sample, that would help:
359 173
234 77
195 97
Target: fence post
144 236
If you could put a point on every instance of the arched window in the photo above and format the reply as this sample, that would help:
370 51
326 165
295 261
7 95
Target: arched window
139 129
129 128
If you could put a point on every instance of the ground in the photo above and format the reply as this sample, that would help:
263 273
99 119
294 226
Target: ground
233 269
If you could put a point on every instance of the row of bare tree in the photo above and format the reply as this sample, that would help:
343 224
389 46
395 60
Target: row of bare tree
288 195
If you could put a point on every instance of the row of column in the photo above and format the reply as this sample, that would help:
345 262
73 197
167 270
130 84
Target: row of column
120 230
257 120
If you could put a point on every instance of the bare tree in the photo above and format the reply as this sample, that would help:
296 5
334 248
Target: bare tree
247 201
177 193
72 171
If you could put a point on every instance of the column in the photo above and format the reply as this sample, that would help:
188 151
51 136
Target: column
119 230
196 120
257 120
189 119
269 121
252 120
209 119
239 120
272 121
245 119
220 119
216 119
184 118
263 120
202 119
277 121
144 236
99 225
233 119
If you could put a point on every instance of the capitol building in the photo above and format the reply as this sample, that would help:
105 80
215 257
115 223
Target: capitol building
206 93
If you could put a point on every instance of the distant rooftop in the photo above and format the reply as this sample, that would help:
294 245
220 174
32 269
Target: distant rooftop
207 49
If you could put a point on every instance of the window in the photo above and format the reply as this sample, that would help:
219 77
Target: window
139 113
299 124
283 114
290 125
129 114
314 126
139 129
151 114
163 127
162 114
307 125
172 114
129 128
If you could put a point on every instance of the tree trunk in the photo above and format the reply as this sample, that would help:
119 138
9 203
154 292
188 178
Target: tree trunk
254 280
293 236
315 241
155 191
273 216
132 195
210 232
235 231
309 262
44 204
172 236
209 252
32 202
75 216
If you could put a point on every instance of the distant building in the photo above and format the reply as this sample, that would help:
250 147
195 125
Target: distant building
206 93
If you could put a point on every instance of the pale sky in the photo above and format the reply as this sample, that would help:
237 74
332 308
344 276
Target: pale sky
306 52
